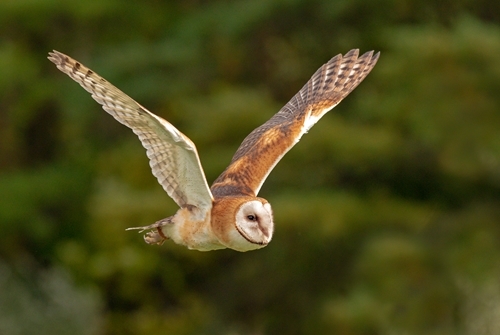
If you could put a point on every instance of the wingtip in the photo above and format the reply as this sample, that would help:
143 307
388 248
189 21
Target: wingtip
53 53
355 53
371 56
57 57
54 56
375 58
352 52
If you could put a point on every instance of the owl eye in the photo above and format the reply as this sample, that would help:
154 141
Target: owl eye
252 217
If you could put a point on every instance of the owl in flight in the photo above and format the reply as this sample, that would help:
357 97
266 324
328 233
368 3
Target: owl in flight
229 214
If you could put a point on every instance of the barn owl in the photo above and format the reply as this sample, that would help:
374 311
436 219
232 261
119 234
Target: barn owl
229 214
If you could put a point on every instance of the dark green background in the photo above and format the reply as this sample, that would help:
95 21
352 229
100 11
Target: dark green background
387 213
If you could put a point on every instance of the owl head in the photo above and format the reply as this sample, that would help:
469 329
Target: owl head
252 224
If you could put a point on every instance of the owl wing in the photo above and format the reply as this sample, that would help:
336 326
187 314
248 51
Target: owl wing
263 148
172 155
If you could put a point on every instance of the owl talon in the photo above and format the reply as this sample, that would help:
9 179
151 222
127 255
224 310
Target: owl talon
154 237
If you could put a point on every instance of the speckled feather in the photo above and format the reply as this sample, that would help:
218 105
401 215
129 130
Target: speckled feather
263 148
173 157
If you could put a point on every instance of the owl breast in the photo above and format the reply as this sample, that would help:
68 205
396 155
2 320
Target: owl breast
193 230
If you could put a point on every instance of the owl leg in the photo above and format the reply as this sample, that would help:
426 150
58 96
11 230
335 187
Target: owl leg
154 237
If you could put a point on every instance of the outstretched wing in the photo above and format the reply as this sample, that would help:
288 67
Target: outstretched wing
173 157
263 148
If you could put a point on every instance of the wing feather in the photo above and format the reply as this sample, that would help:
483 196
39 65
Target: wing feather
173 157
263 148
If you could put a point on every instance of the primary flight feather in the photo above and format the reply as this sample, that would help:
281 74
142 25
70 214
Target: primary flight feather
229 214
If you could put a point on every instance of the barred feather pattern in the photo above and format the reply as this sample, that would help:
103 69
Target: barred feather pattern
263 148
173 157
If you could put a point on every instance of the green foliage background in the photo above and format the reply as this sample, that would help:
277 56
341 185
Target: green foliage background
387 213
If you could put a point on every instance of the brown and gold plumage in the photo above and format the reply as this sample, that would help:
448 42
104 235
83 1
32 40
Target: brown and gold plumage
229 214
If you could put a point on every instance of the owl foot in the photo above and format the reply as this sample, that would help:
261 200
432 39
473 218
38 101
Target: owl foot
154 237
